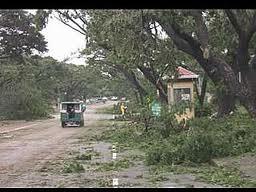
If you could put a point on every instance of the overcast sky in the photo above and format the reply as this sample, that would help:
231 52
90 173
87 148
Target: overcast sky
63 41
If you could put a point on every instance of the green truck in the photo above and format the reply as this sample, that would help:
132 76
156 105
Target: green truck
72 114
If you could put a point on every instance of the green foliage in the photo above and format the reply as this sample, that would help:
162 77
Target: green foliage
167 122
84 157
198 148
115 165
73 167
29 89
207 109
145 116
131 135
21 98
105 183
229 177
188 151
18 34
205 140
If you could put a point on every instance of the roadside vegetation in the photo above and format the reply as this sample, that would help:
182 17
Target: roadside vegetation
190 150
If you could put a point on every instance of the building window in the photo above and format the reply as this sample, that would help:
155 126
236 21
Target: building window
182 94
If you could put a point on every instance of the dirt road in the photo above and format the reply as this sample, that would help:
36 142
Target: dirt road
43 154
26 146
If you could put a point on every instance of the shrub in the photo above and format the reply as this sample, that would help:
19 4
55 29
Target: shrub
168 121
198 147
206 110
205 140
167 152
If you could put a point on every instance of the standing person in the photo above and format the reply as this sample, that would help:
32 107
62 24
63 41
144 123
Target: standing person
122 108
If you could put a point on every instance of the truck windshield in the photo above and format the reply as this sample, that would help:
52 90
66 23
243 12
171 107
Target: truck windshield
65 106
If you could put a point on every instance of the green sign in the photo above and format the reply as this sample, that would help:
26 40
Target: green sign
156 108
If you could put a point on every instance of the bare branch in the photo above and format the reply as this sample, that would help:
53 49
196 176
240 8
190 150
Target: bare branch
253 23
72 20
201 26
61 20
80 17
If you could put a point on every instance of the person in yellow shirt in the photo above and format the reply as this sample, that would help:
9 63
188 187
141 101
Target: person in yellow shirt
122 108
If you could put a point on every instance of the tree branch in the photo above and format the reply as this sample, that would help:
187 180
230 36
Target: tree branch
83 31
234 21
179 42
253 23
80 17
202 28
61 20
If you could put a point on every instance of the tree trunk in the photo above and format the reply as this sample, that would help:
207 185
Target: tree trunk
226 104
137 96
141 97
201 95
250 106
131 77
203 91
157 83
222 75
247 95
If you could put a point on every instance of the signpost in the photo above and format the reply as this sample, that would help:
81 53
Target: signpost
156 108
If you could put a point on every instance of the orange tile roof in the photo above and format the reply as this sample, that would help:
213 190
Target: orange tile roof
185 74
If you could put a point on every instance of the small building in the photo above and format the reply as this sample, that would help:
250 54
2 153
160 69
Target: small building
181 88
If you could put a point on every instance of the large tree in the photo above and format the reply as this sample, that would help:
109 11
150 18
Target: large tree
221 41
19 35
195 31
119 41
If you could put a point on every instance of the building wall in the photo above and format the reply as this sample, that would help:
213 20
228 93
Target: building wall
181 84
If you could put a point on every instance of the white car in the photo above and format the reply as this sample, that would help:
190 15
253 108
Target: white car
114 98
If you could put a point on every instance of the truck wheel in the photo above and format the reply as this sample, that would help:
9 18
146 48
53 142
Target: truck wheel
81 123
63 124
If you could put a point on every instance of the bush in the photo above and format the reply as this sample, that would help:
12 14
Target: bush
198 148
205 140
168 121
206 110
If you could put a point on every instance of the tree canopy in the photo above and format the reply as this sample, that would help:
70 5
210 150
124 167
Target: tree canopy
219 41
19 35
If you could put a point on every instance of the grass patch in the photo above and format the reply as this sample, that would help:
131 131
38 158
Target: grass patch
224 176
228 177
130 137
105 183
73 167
115 165
87 156
84 157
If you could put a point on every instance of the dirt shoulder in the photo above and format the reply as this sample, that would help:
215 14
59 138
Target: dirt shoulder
245 163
